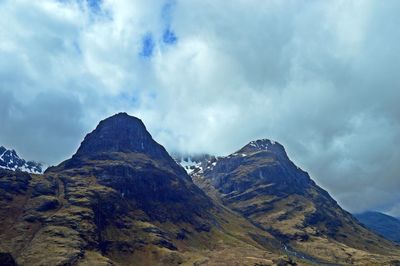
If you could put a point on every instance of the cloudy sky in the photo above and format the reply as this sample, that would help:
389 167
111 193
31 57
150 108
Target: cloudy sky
320 77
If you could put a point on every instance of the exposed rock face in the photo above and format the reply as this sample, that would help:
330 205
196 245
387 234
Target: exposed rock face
122 155
6 259
260 182
260 162
10 160
121 133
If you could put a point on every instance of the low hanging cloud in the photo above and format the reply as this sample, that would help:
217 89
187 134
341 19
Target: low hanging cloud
320 77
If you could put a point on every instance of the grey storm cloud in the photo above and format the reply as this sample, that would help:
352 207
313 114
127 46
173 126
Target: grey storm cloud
320 77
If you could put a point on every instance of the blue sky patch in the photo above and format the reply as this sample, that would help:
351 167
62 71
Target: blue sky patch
166 11
169 37
148 45
76 47
94 5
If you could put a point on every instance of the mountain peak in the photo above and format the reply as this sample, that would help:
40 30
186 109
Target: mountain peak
263 145
120 133
10 160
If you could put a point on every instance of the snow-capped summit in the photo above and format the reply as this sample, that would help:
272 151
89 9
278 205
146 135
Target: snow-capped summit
9 159
195 164
261 144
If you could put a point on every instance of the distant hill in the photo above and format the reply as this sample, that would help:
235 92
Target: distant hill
383 224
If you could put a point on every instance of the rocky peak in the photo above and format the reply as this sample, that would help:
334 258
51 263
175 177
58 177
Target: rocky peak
260 145
263 145
121 133
9 159
259 163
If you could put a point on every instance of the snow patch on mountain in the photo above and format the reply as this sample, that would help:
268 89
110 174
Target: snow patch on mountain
10 160
194 163
262 144
189 165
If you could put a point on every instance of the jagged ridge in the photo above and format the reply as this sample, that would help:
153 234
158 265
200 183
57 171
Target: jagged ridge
9 159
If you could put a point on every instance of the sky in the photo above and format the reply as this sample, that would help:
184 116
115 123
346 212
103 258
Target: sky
208 76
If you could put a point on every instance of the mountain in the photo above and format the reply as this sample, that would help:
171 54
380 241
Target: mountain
382 224
9 159
261 183
122 200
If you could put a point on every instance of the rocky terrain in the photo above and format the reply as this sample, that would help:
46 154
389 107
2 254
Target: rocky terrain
123 200
261 183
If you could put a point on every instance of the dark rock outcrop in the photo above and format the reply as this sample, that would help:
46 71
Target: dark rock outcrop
43 203
122 155
12 182
6 259
121 133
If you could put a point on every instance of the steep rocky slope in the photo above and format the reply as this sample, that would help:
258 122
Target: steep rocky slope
260 182
122 200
